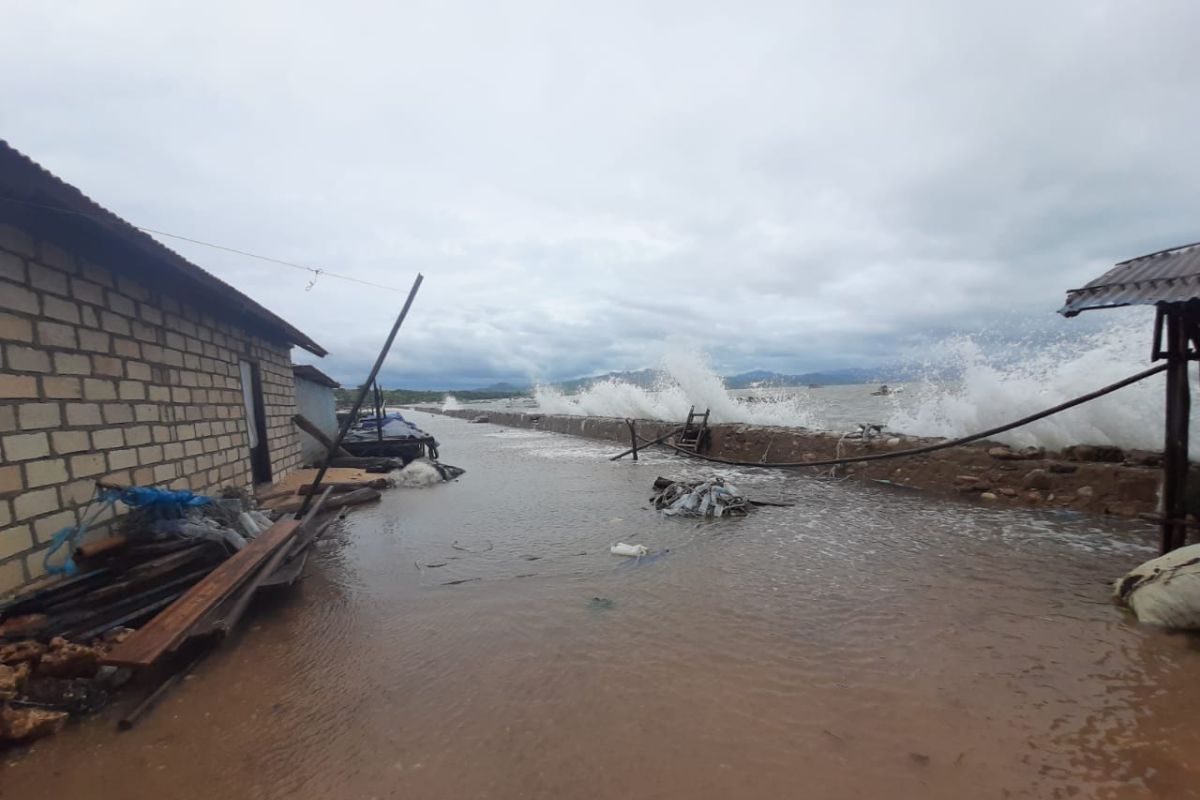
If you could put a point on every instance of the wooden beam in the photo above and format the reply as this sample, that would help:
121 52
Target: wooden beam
1175 446
147 644
303 423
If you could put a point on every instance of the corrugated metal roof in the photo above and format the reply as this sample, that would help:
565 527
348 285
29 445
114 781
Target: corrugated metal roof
47 196
310 373
1168 276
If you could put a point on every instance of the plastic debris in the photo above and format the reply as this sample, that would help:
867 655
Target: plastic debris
631 550
1165 590
708 498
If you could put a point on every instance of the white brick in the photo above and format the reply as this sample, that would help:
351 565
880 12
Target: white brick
83 414
33 416
14 540
69 441
97 389
26 446
45 472
35 503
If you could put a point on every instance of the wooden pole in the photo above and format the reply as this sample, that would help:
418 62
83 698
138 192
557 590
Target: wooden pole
1175 448
302 422
362 393
632 437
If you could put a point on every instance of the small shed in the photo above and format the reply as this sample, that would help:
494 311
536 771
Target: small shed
316 401
1169 280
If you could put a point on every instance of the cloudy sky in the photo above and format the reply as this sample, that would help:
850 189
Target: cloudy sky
785 185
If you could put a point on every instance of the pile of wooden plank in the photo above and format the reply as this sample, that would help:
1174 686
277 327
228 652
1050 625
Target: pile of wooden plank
150 607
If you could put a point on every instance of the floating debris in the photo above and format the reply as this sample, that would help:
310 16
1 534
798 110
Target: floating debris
708 498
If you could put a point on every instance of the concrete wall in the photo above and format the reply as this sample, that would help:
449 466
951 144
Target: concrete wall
1100 480
316 402
103 378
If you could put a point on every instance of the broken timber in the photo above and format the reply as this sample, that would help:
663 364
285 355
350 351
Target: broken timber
147 644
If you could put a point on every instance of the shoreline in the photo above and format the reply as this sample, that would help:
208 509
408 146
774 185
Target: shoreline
1093 479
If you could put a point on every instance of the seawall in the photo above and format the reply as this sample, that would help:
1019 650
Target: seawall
1093 479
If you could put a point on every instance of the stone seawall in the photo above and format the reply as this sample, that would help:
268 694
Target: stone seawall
1093 479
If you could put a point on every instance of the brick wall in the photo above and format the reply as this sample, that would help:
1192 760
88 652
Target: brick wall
103 378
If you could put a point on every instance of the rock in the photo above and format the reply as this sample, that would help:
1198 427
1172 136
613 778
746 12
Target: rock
966 478
1059 468
1033 498
1037 479
1094 452
20 652
988 496
66 660
1007 491
12 680
22 724
1084 492
1024 454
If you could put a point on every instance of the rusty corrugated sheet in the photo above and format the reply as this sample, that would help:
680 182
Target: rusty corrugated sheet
1168 276
23 180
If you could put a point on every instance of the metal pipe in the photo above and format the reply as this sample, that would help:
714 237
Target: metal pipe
362 394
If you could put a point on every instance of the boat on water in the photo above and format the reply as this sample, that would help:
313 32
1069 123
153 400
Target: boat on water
389 435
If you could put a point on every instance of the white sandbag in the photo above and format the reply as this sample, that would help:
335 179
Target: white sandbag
418 474
632 550
1165 590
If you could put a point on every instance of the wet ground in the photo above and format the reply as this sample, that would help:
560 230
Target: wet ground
477 640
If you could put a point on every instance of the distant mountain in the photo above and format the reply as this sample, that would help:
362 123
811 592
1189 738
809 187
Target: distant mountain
645 378
503 386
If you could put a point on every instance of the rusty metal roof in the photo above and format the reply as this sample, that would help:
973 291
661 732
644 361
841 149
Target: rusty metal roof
313 375
1168 276
42 200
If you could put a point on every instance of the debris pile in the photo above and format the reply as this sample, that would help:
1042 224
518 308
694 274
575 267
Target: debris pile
713 497
174 576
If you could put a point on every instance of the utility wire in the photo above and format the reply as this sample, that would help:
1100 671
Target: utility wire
317 272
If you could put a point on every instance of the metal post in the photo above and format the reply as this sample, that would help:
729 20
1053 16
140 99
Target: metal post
1175 447
362 395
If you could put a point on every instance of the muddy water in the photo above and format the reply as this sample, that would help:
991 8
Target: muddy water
862 644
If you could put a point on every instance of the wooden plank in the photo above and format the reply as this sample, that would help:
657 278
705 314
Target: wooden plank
312 430
365 495
149 642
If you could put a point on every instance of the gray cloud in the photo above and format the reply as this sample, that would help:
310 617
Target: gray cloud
785 185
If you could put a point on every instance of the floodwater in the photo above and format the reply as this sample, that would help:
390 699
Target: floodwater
476 640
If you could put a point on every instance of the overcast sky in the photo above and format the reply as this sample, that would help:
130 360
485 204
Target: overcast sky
787 185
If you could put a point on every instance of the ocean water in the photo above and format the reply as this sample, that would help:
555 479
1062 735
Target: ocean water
996 383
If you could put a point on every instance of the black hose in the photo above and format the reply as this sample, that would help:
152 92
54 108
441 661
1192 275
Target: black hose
916 451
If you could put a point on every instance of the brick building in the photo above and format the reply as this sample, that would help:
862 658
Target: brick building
125 362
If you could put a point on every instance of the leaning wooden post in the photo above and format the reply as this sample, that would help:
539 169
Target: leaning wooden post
1175 447
362 394
632 437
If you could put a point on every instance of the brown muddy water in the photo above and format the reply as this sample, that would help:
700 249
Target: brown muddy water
864 643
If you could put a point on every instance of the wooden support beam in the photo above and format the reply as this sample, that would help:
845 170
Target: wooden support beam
303 423
1175 446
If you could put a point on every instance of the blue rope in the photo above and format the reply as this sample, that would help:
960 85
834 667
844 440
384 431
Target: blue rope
70 535
163 503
